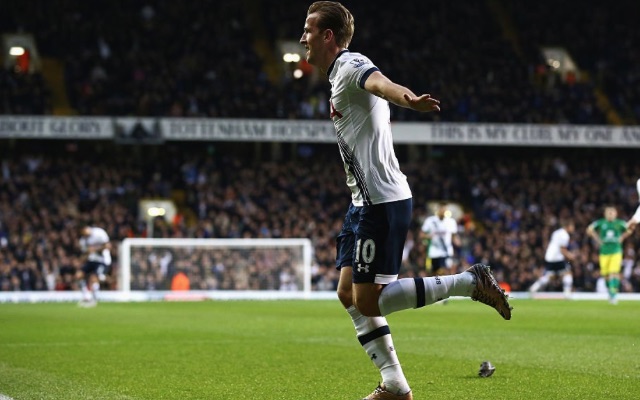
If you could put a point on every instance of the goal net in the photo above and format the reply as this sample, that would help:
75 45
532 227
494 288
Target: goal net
257 266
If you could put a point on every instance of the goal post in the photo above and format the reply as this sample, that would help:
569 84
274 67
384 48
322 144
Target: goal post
251 265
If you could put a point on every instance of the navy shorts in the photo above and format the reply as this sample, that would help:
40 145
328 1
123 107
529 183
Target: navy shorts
92 267
557 267
372 239
438 264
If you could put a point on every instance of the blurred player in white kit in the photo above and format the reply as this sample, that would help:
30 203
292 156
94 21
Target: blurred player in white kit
557 258
94 243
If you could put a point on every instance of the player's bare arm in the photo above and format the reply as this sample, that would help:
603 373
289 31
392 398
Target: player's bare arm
567 254
591 232
626 234
383 87
456 240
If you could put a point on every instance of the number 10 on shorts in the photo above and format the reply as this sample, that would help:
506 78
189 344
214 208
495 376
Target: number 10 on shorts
368 251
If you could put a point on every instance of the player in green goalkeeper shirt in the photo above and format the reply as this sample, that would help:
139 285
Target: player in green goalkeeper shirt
609 233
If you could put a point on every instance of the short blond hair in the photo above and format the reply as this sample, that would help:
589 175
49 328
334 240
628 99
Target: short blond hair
333 15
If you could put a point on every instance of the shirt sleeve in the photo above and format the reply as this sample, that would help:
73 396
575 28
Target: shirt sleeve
453 226
564 240
357 70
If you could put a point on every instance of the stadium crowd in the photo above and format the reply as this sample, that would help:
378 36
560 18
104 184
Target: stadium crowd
606 48
205 59
202 58
23 94
513 201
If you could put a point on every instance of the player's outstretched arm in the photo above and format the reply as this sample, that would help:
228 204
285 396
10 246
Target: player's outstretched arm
381 86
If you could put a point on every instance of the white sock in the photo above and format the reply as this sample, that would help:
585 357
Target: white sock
418 292
85 291
567 283
375 337
95 288
541 282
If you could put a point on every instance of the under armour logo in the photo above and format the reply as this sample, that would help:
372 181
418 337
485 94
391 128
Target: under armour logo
374 356
391 348
364 269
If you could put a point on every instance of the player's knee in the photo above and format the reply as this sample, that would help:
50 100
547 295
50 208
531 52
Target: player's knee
365 298
367 303
367 306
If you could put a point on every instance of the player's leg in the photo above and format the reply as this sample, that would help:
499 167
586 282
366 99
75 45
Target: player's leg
81 278
551 269
89 283
445 267
99 275
95 283
440 266
476 282
541 282
382 230
373 333
374 336
606 264
614 276
379 243
567 281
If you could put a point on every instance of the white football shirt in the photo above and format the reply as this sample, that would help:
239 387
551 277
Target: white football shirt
97 237
441 231
559 239
362 122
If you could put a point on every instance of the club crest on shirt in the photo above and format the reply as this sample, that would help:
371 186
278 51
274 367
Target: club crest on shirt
358 62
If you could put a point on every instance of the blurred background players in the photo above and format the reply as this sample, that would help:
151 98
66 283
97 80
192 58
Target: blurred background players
609 233
557 259
95 245
440 233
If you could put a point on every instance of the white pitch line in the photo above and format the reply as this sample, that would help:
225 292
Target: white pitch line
3 397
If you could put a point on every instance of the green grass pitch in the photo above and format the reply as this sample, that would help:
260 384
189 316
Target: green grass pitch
307 350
